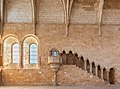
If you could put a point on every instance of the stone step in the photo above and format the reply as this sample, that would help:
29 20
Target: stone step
74 75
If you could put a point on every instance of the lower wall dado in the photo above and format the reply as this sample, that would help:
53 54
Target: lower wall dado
42 76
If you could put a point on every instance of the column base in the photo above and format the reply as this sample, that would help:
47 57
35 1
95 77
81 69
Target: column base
55 84
91 75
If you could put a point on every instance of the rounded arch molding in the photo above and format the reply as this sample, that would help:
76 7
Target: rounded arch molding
31 35
18 39
9 35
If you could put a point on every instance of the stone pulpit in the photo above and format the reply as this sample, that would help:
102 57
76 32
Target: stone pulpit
55 61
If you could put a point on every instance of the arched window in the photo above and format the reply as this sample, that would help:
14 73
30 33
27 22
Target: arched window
30 51
33 53
55 53
10 50
15 53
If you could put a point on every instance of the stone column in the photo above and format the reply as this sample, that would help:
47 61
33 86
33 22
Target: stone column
55 78
67 59
91 68
79 62
96 70
1 16
107 71
102 73
74 59
85 65
21 55
1 61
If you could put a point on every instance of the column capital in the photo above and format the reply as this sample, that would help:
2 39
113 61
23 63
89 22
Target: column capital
107 69
85 59
90 62
79 57
96 65
102 67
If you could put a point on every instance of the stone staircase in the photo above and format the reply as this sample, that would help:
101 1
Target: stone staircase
72 75
87 71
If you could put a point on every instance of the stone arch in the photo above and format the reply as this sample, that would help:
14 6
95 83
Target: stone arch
31 35
112 76
99 72
18 11
64 57
76 60
51 52
70 52
105 74
82 62
88 66
9 35
93 68
70 58
64 52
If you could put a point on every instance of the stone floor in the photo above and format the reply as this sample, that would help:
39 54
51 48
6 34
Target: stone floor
64 87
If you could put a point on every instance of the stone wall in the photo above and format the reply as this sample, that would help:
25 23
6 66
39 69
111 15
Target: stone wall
50 29
112 4
111 12
0 11
42 76
83 12
82 39
18 11
51 11
117 73
111 17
